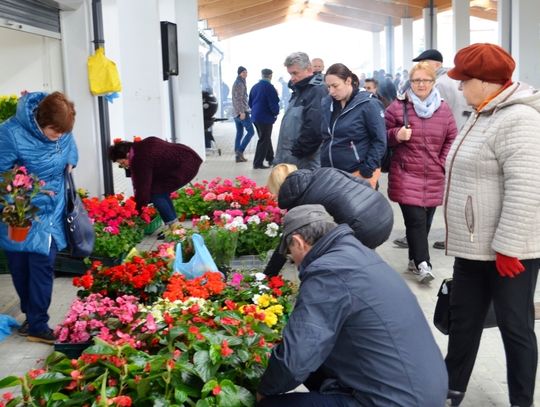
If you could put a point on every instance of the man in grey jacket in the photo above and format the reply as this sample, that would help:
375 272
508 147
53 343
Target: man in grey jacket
356 336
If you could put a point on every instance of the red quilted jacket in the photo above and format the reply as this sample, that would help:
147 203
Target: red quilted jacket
416 175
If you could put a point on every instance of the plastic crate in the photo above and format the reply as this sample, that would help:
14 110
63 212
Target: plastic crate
71 350
153 225
67 264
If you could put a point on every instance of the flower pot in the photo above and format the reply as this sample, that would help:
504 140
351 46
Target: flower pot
18 233
71 350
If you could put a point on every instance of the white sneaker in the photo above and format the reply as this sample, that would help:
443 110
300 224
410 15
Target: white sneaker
411 268
425 274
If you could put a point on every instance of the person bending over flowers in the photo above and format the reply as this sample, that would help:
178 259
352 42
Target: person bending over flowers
157 168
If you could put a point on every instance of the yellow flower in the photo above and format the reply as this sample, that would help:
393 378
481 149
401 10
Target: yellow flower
276 309
265 300
270 318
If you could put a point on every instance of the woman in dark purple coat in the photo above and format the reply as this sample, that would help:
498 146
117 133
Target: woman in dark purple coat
416 176
157 168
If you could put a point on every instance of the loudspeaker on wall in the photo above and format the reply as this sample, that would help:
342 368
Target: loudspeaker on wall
169 49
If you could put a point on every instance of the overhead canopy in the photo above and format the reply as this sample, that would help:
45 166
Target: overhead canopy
229 18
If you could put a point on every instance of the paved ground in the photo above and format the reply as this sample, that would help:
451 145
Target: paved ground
488 383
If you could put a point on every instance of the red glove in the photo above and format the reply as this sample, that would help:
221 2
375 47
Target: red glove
508 266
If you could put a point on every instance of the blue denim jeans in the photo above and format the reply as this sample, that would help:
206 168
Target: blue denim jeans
33 276
241 141
164 206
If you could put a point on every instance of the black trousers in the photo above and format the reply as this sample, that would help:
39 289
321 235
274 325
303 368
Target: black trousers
475 285
264 150
417 225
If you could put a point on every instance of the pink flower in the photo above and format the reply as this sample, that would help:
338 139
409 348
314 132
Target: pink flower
236 279
189 191
151 324
210 196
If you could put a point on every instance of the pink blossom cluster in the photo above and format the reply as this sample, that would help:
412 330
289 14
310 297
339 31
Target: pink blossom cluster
89 316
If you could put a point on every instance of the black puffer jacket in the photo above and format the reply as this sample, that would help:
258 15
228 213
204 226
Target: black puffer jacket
347 198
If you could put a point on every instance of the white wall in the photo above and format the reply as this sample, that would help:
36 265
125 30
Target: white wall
29 62
76 28
526 41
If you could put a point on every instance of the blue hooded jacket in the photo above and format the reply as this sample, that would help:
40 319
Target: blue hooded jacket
23 143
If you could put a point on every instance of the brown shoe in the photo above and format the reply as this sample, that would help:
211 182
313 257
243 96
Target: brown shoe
240 157
43 337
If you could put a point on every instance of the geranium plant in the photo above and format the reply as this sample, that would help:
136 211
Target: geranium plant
144 277
8 107
118 224
17 189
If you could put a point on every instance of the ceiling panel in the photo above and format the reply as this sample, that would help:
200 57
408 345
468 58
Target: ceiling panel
234 17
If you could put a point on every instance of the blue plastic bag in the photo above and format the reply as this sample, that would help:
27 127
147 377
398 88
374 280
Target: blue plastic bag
200 263
6 323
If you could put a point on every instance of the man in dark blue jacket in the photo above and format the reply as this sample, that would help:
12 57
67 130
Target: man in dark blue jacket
356 336
264 104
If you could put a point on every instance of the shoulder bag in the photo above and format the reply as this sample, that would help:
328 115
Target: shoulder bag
80 234
441 316
387 159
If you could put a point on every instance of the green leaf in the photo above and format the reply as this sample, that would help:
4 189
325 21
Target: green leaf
9 381
242 354
47 378
228 397
215 354
203 365
59 396
203 403
180 396
245 396
208 387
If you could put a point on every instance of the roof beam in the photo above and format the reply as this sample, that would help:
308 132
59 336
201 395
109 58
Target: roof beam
359 15
224 33
270 15
485 14
279 7
218 8
349 22
377 7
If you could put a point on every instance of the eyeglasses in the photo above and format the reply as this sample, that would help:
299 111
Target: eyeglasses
421 81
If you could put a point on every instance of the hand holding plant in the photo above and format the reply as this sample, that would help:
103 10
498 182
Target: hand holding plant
17 189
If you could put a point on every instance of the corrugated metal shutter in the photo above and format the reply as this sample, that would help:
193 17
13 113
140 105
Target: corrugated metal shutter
31 12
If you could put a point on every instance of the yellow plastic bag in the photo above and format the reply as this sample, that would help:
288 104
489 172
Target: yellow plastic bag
103 75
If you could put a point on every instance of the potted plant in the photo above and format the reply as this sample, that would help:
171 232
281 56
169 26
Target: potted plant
17 189
8 107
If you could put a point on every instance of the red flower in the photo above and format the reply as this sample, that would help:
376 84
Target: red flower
216 390
225 350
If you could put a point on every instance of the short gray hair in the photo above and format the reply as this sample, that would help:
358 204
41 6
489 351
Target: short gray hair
298 58
312 232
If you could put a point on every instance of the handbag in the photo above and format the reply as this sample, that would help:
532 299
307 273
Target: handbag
387 159
80 232
200 263
441 316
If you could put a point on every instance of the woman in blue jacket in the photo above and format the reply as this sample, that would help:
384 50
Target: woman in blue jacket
39 138
354 134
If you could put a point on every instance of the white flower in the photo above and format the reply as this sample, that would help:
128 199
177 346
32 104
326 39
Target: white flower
225 217
204 218
255 298
263 287
254 219
271 229
259 276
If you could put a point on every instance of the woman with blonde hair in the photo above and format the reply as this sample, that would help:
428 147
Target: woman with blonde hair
420 131
347 198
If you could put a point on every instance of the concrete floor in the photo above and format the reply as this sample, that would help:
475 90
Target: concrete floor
488 383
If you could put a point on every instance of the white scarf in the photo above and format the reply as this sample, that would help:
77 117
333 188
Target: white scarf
425 108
